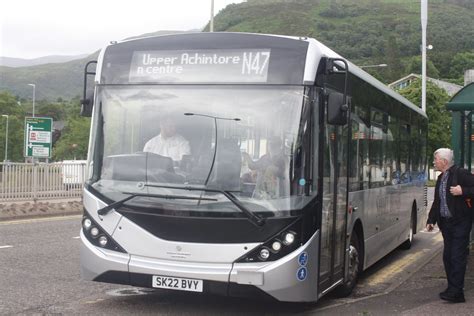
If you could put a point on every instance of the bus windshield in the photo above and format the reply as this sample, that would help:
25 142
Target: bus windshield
242 140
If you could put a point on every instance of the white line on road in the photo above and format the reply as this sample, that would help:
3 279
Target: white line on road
7 246
77 237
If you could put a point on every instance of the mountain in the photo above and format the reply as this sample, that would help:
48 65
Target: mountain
61 80
54 80
365 31
53 59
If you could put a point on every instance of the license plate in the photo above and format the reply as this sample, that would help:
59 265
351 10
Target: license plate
181 284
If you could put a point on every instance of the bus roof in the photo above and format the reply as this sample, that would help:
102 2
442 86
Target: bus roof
298 57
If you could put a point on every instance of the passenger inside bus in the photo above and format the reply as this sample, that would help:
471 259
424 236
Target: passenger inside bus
270 169
168 143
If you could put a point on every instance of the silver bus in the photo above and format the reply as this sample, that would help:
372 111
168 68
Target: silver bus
299 169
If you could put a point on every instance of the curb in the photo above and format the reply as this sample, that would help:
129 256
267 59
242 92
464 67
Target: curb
17 210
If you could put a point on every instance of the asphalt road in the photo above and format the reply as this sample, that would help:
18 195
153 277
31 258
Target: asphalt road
39 274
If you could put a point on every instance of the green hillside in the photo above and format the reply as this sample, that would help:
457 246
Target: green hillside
53 81
365 31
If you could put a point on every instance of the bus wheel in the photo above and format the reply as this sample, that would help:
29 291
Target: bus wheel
354 268
407 243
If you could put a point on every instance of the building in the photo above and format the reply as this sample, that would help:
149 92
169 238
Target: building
450 88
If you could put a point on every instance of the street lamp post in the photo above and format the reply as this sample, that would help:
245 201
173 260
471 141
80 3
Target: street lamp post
374 66
6 140
211 24
424 21
34 96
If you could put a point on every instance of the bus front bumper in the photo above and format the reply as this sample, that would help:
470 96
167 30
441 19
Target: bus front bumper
287 279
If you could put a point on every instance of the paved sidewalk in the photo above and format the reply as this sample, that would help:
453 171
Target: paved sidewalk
419 295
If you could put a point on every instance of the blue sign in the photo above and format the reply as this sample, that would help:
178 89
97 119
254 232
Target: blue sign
302 274
302 181
303 258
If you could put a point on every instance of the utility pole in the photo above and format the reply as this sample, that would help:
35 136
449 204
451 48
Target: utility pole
211 25
34 96
6 140
424 22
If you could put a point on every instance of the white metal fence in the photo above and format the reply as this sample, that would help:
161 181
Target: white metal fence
31 181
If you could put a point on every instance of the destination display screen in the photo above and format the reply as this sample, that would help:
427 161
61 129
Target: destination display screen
205 58
200 66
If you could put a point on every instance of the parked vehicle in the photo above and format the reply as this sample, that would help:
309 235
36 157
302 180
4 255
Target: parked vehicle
73 173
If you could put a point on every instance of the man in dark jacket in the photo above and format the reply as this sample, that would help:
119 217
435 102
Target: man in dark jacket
452 211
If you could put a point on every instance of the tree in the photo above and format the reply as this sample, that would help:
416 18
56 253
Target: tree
9 106
414 66
460 63
439 124
54 110
74 140
395 68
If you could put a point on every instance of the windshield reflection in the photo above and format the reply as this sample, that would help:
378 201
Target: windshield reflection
240 140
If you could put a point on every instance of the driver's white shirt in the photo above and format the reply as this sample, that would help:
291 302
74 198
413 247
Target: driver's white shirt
174 147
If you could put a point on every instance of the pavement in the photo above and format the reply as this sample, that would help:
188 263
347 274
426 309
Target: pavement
418 294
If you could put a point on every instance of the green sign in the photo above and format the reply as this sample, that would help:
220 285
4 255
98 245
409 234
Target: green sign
38 137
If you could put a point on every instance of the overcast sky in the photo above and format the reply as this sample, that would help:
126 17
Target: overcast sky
36 28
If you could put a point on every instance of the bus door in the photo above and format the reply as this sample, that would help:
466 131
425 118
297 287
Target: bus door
334 206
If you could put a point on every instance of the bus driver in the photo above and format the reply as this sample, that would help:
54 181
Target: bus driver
168 143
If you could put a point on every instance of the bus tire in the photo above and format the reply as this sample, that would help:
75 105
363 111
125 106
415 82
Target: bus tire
355 267
407 243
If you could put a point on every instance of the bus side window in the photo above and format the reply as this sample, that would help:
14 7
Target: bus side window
359 168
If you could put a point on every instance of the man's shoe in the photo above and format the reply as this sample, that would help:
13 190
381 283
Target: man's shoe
444 292
454 298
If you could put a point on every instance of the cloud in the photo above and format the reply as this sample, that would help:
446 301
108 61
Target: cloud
31 28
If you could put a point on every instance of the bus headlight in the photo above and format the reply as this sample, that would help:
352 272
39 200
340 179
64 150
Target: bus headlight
289 238
103 241
94 231
264 254
86 223
97 236
277 247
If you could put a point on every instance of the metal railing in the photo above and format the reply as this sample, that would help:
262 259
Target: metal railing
36 181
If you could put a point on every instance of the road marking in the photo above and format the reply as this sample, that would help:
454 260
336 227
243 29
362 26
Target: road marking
42 219
94 301
399 266
393 269
7 246
77 237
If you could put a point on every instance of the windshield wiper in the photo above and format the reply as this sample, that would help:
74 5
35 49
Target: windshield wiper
255 219
118 204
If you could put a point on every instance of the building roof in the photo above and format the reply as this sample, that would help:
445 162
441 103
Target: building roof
450 88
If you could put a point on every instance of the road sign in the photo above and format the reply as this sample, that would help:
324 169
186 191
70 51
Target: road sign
38 137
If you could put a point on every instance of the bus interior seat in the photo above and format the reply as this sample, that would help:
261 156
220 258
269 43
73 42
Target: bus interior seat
228 164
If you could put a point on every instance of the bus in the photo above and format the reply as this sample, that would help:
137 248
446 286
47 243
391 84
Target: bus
301 170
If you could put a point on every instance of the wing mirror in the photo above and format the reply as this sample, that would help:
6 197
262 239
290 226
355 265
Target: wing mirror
337 103
87 103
